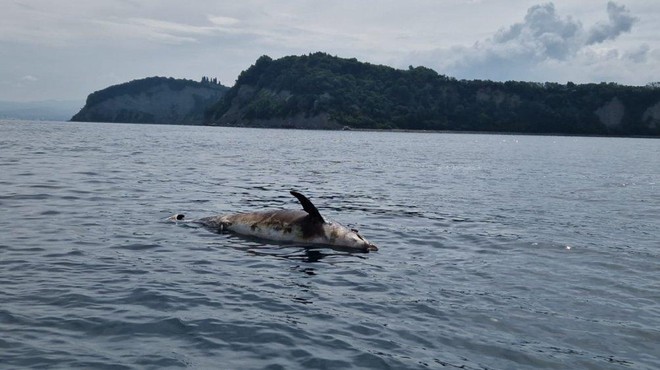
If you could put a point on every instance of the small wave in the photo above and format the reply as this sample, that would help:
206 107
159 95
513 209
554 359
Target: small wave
137 246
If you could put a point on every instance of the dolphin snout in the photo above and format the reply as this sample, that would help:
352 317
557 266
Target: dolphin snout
372 247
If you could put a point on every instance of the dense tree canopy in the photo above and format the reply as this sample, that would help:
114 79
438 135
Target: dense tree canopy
137 87
152 100
364 95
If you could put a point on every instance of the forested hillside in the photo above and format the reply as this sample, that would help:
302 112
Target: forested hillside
322 91
152 100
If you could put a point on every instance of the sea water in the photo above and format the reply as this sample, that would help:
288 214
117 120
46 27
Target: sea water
496 251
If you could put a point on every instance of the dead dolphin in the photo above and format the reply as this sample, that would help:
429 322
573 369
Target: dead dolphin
305 226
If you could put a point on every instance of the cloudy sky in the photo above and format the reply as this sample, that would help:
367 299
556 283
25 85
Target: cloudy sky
67 49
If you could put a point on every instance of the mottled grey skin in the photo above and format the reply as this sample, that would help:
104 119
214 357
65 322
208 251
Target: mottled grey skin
299 226
283 221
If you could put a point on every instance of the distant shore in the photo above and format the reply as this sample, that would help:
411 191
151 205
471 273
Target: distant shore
440 131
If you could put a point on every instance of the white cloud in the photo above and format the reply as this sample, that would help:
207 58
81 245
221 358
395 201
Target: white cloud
546 44
543 34
154 30
223 21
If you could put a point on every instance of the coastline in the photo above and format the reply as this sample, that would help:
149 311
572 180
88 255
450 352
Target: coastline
442 131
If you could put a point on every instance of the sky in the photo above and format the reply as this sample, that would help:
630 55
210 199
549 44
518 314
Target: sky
67 49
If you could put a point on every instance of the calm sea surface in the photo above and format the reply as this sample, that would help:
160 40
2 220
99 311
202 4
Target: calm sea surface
496 251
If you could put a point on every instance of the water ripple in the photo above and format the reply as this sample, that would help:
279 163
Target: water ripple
540 254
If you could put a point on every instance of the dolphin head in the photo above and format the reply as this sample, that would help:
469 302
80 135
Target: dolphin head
342 236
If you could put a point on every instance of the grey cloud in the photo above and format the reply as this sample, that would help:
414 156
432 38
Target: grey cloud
620 21
640 54
559 38
543 32
543 38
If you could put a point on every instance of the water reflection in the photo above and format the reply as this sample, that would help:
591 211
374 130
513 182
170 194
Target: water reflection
303 254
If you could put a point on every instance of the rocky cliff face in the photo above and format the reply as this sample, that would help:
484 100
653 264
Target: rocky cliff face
611 113
249 97
153 100
652 116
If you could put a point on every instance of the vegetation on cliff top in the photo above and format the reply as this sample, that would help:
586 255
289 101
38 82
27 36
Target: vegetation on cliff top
363 95
137 87
152 100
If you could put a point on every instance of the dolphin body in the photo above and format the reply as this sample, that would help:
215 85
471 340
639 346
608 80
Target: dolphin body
286 225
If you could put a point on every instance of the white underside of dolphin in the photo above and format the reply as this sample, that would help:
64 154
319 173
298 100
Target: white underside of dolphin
305 226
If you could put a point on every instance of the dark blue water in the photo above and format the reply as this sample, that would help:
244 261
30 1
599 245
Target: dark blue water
496 252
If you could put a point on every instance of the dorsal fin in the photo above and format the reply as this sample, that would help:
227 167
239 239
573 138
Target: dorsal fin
308 207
